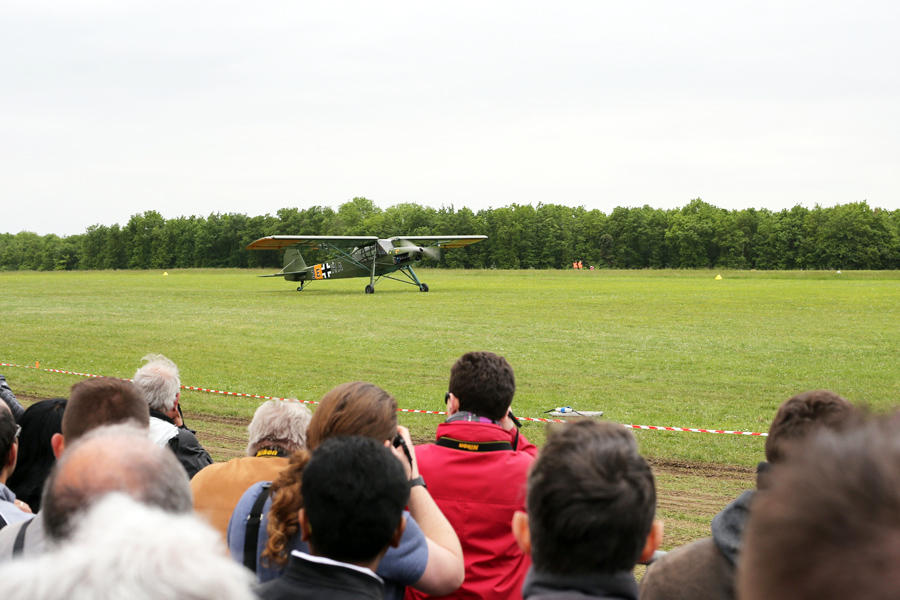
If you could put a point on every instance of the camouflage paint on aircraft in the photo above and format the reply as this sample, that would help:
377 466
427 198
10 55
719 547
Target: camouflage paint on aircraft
359 256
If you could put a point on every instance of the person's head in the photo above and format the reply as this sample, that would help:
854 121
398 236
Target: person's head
278 425
354 492
101 401
356 408
117 458
591 502
124 549
41 421
160 382
8 442
482 383
828 524
802 415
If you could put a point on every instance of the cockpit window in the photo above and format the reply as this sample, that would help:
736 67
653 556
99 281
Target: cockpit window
379 248
384 246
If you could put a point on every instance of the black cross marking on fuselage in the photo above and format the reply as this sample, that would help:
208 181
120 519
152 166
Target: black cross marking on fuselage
326 270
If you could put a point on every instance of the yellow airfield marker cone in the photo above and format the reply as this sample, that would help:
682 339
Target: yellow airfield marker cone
718 277
166 273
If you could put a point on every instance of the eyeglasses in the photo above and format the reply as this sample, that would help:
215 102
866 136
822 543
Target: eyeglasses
18 431
446 397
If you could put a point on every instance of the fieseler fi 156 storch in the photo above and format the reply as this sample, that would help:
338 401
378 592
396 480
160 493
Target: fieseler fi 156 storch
359 256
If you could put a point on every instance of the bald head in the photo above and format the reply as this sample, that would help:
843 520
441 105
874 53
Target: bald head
117 458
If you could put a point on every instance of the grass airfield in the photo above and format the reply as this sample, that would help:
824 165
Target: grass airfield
663 348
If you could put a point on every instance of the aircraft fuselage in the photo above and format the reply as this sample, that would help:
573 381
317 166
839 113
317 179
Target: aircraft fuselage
359 256
388 259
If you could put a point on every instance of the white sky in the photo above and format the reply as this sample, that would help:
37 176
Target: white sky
113 108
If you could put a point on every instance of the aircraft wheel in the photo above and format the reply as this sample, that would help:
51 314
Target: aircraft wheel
370 289
300 289
423 287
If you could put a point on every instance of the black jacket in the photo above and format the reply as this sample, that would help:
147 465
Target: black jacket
305 579
541 586
186 447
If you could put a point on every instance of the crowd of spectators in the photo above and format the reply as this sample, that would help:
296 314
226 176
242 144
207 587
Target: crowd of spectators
108 494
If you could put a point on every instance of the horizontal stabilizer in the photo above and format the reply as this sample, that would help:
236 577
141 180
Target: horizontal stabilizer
293 271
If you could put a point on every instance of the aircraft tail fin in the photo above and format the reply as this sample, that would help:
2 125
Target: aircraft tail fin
293 261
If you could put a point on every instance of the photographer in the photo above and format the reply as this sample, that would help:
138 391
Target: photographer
476 473
7 395
429 557
161 384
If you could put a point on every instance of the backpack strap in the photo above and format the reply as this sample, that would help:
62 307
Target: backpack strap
251 531
19 544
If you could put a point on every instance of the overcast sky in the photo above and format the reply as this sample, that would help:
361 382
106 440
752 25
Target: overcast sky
188 108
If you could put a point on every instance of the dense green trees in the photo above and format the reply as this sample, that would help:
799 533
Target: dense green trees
546 236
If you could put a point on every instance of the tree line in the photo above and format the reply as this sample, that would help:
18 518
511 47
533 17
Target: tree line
546 236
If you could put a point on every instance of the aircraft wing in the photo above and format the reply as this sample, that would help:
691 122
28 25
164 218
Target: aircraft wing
315 242
443 241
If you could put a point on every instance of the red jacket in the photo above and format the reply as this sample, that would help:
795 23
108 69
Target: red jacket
478 492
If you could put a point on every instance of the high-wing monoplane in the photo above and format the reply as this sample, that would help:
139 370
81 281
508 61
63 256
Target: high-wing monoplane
359 256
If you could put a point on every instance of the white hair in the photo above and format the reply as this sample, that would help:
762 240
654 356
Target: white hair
123 549
280 424
160 382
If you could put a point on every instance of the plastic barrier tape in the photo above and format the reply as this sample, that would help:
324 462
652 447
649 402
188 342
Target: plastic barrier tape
408 410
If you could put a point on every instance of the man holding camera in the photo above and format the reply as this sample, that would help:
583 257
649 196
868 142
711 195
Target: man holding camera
161 384
476 472
6 394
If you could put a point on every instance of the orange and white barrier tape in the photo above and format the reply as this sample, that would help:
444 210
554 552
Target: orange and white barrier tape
653 428
184 387
408 410
199 389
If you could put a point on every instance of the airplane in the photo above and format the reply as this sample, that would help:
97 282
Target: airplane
359 256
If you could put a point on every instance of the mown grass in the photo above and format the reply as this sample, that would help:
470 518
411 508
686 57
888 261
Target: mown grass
646 347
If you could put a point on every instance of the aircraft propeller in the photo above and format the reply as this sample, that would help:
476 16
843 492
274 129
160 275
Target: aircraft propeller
433 252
